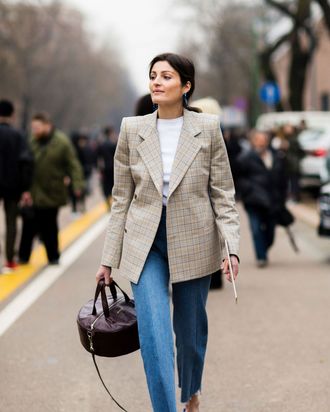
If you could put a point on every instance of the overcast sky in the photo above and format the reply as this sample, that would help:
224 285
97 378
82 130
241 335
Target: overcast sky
140 29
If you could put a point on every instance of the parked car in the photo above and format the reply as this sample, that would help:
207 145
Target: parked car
314 140
313 119
316 145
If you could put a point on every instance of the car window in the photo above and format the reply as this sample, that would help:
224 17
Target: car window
310 135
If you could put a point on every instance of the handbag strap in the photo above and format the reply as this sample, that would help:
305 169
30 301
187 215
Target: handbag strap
100 288
105 387
115 285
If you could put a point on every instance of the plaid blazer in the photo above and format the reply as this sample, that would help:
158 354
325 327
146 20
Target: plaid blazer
201 210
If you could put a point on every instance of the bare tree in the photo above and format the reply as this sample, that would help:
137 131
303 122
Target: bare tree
303 43
48 62
226 45
229 46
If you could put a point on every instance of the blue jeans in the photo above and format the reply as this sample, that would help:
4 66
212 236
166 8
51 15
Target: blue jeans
263 231
152 303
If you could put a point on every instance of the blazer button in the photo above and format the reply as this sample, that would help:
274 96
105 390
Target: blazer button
135 196
125 230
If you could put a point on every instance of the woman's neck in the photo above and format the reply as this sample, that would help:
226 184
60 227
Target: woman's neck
170 112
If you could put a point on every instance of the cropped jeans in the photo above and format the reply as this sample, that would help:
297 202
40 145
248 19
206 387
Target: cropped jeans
152 303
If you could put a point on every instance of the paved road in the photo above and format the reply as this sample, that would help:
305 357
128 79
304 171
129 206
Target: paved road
270 353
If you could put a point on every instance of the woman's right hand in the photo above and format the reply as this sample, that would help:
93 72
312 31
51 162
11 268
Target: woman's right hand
104 272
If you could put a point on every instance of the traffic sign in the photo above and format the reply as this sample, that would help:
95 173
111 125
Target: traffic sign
270 93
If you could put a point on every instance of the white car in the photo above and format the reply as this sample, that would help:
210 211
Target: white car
316 144
312 119
315 140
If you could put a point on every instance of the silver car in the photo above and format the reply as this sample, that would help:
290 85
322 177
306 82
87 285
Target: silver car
316 144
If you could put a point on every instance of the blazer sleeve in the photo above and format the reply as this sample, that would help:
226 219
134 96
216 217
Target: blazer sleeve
222 194
122 194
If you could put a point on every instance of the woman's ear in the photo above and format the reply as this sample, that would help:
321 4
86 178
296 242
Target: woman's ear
187 87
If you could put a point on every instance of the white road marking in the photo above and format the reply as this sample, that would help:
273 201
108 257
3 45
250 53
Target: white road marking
48 276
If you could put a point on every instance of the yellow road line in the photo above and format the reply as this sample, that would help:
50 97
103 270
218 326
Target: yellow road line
11 281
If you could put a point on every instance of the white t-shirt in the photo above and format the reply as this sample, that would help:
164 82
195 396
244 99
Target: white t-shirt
169 132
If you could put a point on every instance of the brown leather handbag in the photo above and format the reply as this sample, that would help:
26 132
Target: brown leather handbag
107 325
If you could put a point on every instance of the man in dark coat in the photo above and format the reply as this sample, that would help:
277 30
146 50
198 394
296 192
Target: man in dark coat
15 174
105 155
86 156
294 155
263 185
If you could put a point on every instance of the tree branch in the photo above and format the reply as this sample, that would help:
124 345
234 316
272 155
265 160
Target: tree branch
298 18
325 6
281 7
278 43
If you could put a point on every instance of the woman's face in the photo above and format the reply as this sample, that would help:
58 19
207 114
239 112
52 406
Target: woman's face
165 84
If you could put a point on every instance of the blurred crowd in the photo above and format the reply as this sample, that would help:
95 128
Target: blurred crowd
40 172
266 167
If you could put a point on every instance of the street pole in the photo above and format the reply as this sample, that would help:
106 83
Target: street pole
255 78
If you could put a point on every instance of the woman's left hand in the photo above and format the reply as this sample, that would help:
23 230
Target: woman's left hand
234 265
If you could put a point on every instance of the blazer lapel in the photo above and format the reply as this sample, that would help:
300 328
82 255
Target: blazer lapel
187 149
149 150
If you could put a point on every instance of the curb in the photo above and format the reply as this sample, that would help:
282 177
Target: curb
10 282
305 213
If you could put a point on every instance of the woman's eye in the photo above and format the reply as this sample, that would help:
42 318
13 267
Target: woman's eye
167 77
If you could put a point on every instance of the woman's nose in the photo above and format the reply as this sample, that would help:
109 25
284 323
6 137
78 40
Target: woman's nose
156 81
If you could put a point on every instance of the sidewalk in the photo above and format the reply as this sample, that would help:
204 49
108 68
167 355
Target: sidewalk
65 215
71 227
306 212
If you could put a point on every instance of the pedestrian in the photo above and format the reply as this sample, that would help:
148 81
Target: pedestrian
86 157
15 175
54 161
105 155
144 105
173 207
262 185
294 155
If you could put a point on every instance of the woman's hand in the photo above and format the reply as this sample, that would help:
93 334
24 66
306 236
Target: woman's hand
234 265
104 272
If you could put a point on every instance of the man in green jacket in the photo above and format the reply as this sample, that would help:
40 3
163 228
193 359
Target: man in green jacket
54 162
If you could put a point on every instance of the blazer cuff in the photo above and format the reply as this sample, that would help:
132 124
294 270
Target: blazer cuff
109 263
234 254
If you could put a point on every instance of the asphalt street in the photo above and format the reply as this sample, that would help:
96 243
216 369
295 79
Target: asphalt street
268 353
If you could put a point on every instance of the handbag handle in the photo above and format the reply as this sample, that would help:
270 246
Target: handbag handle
100 288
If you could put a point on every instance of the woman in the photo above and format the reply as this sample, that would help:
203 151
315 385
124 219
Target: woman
173 206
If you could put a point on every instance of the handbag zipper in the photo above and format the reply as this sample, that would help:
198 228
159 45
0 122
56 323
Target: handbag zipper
101 314
90 332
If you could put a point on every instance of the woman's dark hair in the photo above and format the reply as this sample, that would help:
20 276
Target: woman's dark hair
184 67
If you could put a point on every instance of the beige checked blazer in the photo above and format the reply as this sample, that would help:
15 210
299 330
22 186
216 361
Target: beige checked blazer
201 210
